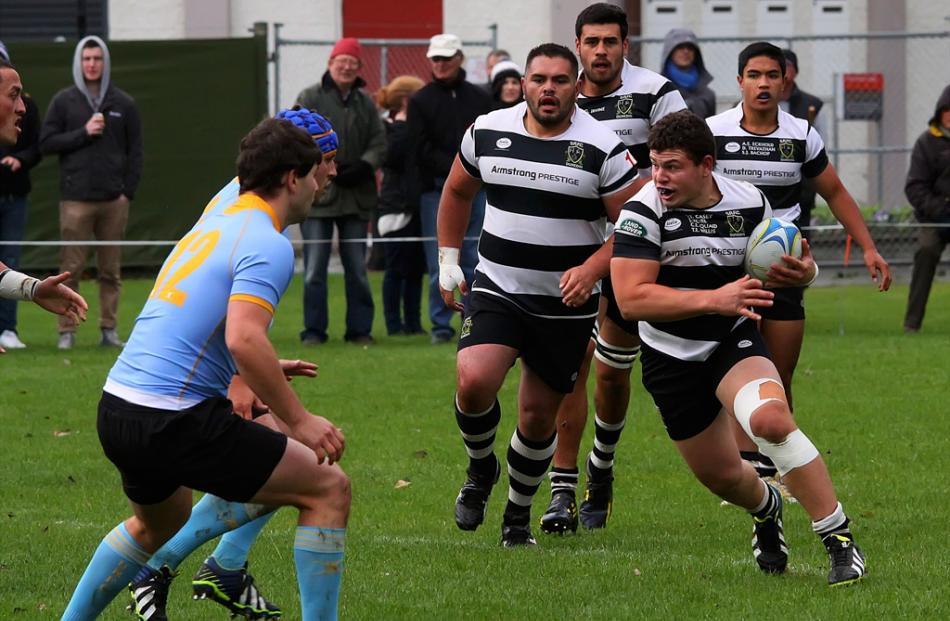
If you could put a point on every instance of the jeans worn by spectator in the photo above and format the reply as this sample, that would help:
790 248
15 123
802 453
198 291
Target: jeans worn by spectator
12 227
439 313
359 298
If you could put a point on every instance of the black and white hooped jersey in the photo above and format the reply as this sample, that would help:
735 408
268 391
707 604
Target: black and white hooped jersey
775 163
643 98
544 212
696 249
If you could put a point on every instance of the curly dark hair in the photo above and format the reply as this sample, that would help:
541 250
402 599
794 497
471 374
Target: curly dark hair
685 131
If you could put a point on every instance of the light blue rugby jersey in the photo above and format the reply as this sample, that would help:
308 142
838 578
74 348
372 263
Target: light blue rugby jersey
177 351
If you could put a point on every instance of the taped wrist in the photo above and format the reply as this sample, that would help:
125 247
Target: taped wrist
17 286
450 274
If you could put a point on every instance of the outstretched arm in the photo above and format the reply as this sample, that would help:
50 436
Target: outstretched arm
845 209
49 293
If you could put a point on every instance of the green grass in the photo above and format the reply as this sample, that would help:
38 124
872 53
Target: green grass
872 399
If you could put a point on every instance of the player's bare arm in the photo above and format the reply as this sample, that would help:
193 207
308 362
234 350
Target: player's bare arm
246 337
248 405
455 208
578 282
828 184
640 298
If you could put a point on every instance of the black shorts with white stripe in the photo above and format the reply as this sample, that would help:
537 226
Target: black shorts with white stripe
685 391
553 348
788 305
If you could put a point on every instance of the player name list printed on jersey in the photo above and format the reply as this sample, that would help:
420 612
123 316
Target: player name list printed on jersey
775 163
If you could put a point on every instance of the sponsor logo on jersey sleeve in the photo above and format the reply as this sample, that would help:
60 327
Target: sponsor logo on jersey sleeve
632 227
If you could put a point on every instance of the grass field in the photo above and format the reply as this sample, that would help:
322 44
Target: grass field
873 399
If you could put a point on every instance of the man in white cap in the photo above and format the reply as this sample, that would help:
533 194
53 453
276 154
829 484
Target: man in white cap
438 115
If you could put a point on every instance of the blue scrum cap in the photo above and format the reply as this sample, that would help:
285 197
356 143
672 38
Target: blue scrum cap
315 125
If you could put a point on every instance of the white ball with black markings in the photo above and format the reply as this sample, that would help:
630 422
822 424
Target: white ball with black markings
770 240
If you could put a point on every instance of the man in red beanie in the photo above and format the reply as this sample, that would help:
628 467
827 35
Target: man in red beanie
349 202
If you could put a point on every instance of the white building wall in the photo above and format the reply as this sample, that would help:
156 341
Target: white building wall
158 19
521 26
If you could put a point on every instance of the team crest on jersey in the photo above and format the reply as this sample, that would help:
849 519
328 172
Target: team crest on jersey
503 143
625 107
736 223
672 224
786 150
466 328
575 154
633 227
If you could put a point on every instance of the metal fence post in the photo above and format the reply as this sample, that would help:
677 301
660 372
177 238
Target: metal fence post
383 64
277 27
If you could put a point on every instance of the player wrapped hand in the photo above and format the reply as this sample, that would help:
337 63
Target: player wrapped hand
451 277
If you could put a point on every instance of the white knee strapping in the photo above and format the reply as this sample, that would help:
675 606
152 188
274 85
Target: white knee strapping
749 398
614 356
795 450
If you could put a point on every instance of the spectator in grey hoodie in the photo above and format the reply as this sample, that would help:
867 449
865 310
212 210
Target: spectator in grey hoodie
94 128
683 66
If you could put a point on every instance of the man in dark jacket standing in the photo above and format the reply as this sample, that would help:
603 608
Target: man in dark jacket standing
15 164
438 116
94 127
928 190
683 65
349 202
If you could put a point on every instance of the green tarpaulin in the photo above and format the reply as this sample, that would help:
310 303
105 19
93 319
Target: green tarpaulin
196 100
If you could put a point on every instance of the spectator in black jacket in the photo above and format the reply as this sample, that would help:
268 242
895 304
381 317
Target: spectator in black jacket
928 190
15 164
94 128
398 217
438 115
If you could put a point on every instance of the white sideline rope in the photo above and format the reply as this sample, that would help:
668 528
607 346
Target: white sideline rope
392 240
151 242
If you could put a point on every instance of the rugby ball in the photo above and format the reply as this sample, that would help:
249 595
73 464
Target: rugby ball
770 239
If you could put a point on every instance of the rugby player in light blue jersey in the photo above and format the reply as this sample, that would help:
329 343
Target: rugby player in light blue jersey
164 419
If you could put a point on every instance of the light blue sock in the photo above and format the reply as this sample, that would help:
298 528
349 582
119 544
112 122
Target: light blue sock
234 546
318 555
116 561
211 517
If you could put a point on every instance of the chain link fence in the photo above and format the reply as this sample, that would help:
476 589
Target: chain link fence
871 155
298 63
